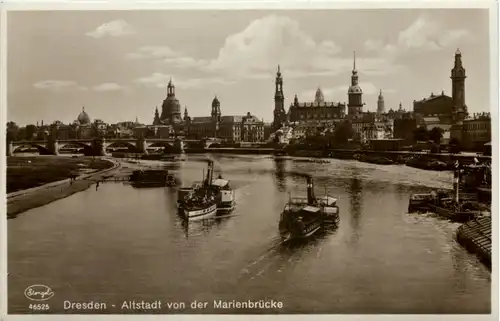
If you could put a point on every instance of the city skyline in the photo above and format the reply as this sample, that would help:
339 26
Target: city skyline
117 63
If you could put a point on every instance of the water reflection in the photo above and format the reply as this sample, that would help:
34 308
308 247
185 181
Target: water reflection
279 174
172 166
201 227
355 189
410 262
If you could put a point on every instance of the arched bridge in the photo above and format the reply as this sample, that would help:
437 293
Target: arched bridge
98 146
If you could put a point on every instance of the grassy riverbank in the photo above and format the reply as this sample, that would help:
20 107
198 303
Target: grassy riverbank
28 172
45 196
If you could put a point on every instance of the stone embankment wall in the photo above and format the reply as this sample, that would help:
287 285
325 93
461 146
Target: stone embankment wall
475 236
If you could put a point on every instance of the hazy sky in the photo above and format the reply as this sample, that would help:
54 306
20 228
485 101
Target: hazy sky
117 63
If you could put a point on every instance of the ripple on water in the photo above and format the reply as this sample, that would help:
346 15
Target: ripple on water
379 260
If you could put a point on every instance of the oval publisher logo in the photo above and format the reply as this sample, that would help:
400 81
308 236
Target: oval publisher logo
38 292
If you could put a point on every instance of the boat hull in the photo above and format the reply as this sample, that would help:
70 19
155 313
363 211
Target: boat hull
331 215
199 214
226 207
289 233
226 201
150 184
460 217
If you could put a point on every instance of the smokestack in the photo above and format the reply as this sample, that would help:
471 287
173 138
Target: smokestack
210 173
310 191
211 165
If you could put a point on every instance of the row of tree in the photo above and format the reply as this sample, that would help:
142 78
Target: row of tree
422 134
325 137
14 132
342 133
32 132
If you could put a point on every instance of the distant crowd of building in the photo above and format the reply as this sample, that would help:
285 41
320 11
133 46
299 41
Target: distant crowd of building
302 119
447 113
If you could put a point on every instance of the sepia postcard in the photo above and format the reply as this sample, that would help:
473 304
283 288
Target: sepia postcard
331 160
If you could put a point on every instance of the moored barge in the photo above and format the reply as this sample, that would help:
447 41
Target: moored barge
152 178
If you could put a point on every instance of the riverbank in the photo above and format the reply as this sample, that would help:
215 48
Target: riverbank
475 236
24 200
28 172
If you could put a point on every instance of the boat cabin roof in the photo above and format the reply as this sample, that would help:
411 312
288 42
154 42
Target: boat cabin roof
220 182
327 200
310 209
420 196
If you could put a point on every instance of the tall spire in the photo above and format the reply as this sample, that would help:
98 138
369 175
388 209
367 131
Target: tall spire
156 119
354 62
279 102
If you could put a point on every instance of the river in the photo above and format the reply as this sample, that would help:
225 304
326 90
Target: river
119 243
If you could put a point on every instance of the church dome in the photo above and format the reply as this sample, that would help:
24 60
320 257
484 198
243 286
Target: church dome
319 98
355 89
171 106
83 118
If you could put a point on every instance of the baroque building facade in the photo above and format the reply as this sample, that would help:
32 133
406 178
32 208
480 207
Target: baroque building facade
318 110
246 128
230 129
476 131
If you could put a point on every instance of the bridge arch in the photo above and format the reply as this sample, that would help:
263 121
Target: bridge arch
159 144
41 149
130 145
86 146
212 145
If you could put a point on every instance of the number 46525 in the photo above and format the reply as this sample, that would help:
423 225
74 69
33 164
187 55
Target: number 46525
39 307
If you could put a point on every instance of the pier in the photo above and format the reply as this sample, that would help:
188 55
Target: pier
475 236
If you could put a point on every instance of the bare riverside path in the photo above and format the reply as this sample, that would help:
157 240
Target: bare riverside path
23 200
121 243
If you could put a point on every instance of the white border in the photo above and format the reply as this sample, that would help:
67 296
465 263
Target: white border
267 5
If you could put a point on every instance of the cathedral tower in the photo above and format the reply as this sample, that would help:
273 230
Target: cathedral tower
279 103
380 104
458 96
216 115
458 89
355 94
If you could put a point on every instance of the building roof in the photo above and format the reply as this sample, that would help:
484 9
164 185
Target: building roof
355 89
251 118
432 97
231 119
319 104
201 120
